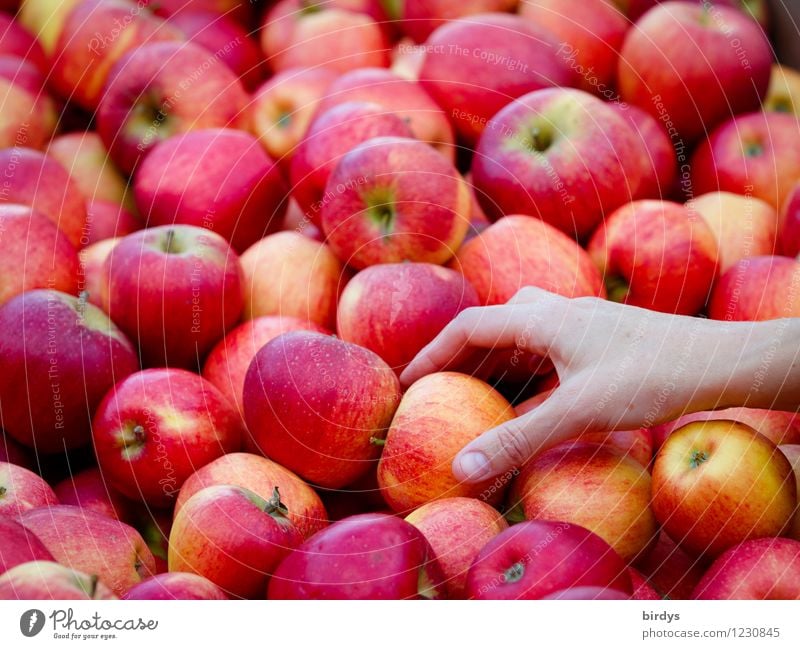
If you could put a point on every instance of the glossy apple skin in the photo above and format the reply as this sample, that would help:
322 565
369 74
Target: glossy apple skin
642 590
438 415
313 403
593 486
152 93
89 489
91 276
552 557
108 220
22 490
219 179
19 545
670 569
176 289
752 154
657 255
583 161
29 116
420 18
157 427
397 309
232 537
766 568
45 580
790 223
71 354
288 274
367 556
34 253
92 543
392 199
457 529
470 86
176 585
58 198
757 288
677 63
701 506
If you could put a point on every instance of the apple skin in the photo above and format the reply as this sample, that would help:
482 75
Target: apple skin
175 289
46 580
757 288
330 136
367 556
765 568
57 198
397 309
313 403
420 18
457 529
657 255
752 154
108 220
219 179
92 543
232 537
699 505
16 40
593 486
642 590
393 199
677 62
587 593
71 354
552 556
670 569
19 545
261 476
241 12
34 253
792 453
22 490
289 274
790 223
29 116
152 94
436 418
89 489
176 585
154 525
559 154
44 19
91 277
470 85
13 452
783 95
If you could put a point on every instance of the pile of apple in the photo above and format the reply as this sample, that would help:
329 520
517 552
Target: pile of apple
227 226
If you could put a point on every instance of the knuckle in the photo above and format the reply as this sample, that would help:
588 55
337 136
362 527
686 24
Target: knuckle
514 444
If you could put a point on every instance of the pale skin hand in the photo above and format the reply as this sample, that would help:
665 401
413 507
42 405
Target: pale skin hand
619 368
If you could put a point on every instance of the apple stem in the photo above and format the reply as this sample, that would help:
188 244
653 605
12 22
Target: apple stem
2 491
168 245
540 141
275 506
138 432
617 288
377 441
93 579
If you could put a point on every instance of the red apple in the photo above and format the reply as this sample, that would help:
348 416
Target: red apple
13 452
22 490
71 354
670 569
588 592
89 489
642 590
176 289
16 40
420 18
368 556
108 220
314 404
789 236
176 585
218 179
232 537
535 559
792 453
46 580
241 12
154 525
783 95
28 117
44 19
91 277
19 545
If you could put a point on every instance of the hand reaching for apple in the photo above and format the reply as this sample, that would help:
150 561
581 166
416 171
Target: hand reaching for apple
619 368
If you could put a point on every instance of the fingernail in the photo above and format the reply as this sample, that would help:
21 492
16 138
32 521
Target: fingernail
474 465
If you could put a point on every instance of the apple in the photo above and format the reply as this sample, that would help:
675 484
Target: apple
16 40
591 485
90 489
157 427
22 490
71 354
588 592
393 199
694 65
176 289
670 569
315 404
438 415
657 255
176 585
457 529
24 172
330 136
46 580
397 309
407 59
28 116
34 253
420 18
92 543
757 288
108 220
642 590
792 453
789 236
241 12
752 154
766 568
219 179
13 452
783 95
719 483
559 154
232 537
534 559
44 19
154 525
162 89
475 66
368 556
91 276
261 476
290 275
19 545
300 223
